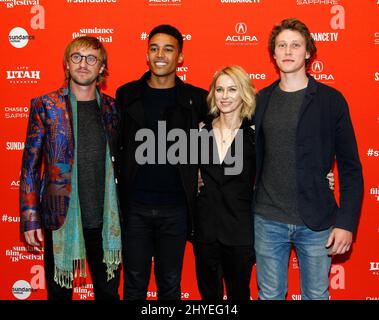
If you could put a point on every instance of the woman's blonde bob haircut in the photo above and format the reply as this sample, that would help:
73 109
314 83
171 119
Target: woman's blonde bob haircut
244 86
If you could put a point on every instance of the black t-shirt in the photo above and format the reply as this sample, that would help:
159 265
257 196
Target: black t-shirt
158 184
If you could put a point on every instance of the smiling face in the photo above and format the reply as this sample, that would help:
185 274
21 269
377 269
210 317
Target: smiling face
82 73
163 55
227 97
290 52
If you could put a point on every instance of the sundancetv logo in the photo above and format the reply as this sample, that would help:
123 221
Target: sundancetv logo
325 36
22 290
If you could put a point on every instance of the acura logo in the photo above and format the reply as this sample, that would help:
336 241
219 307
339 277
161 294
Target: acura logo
317 66
241 28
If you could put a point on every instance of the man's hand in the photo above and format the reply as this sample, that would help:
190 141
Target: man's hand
341 240
31 239
330 177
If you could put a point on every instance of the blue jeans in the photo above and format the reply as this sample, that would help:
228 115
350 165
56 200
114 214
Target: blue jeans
273 241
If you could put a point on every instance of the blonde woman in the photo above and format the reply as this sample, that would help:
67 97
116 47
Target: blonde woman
223 243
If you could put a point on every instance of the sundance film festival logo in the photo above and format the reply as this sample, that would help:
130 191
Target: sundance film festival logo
182 72
13 3
375 192
13 112
319 74
164 2
172 147
23 75
19 37
374 268
16 254
85 292
241 36
103 34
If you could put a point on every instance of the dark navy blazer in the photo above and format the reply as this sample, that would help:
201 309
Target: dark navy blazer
324 133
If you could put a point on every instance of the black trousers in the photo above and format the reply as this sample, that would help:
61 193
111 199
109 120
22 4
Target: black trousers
103 289
217 263
160 233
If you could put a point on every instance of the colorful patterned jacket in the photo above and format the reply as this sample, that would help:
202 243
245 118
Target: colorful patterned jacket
49 147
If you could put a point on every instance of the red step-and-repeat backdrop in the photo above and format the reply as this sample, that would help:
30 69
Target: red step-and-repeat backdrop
33 35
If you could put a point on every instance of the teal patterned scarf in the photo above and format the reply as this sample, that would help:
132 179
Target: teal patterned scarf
68 241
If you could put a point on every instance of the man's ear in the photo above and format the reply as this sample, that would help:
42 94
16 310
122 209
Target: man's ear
181 57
